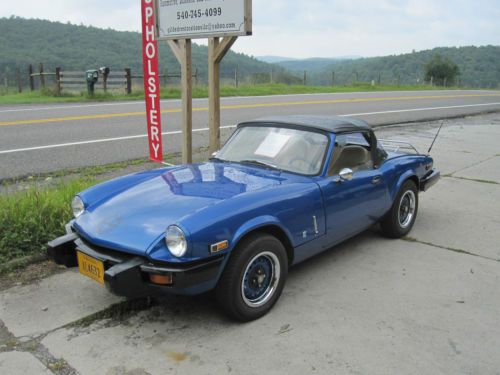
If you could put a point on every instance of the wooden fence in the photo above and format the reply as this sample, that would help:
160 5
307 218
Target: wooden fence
76 81
71 81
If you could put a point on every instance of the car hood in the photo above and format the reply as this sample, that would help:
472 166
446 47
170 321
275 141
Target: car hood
132 215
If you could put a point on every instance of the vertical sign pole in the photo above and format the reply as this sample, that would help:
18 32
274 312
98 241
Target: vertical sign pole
217 49
182 51
187 103
151 81
213 96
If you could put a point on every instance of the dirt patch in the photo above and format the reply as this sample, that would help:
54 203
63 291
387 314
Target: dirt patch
30 274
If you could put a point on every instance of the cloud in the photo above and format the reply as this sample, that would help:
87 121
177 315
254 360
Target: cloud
305 28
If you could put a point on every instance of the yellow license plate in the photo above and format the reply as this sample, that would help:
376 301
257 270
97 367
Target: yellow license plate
91 267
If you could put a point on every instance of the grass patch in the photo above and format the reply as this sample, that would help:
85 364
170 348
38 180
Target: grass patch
31 218
174 92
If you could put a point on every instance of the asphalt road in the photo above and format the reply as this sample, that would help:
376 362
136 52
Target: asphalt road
43 138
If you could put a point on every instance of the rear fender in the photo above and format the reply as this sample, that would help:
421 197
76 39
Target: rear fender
410 174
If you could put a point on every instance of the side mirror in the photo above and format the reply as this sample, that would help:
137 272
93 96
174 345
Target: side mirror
346 174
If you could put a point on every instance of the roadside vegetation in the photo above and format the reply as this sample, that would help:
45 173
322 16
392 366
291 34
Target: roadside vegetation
174 92
31 218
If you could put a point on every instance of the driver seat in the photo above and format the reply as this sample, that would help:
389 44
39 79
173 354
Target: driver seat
352 156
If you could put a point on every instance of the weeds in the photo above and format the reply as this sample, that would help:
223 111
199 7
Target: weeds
31 218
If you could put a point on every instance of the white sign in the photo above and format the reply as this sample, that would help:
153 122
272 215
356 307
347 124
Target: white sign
189 19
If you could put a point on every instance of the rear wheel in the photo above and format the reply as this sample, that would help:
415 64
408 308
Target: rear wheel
254 277
400 219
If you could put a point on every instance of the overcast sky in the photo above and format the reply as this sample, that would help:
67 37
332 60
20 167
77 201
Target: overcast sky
312 28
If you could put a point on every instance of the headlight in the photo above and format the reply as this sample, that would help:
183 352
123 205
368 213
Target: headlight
78 206
176 241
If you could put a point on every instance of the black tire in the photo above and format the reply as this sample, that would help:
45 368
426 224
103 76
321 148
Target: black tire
258 256
400 219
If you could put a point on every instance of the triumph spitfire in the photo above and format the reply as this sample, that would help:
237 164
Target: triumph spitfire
281 190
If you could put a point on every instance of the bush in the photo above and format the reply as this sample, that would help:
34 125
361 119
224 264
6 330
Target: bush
29 219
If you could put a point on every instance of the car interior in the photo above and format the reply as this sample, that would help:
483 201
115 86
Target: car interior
351 152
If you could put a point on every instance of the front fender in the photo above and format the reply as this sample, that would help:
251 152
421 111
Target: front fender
255 224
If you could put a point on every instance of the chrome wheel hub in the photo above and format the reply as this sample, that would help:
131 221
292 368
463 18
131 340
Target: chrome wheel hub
407 207
260 279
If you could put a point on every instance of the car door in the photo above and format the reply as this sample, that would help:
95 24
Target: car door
353 205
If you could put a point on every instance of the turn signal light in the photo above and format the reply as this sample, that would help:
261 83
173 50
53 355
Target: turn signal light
215 248
161 279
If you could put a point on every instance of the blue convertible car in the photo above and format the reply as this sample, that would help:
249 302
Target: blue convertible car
281 190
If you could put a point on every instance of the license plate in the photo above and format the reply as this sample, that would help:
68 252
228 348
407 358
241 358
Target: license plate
91 267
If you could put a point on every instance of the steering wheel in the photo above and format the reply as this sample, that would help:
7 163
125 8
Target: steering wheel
301 164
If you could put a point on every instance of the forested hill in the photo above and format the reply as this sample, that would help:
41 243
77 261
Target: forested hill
73 47
479 67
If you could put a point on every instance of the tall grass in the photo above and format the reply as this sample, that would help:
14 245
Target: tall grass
31 218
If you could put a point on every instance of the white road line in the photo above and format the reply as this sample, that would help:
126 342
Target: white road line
229 98
419 109
102 140
228 127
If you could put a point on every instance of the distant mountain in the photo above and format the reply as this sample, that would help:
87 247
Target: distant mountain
77 48
479 67
274 59
312 64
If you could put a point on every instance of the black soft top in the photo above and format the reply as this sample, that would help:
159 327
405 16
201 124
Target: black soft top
334 124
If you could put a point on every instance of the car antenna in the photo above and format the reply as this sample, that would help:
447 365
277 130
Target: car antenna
439 130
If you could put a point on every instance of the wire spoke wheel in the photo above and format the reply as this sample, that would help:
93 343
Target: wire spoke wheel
254 277
399 221
407 206
260 279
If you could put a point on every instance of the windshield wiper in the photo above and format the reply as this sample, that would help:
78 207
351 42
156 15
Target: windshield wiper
261 164
218 159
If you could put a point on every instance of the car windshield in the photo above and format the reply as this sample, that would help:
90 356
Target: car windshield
291 150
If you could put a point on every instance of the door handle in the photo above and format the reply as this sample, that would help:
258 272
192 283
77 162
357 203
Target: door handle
376 180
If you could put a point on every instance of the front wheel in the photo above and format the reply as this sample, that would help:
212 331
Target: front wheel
254 277
400 219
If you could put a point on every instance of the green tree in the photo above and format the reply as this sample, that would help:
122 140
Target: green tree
443 72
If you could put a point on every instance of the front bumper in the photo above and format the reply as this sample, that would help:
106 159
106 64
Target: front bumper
429 179
129 276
